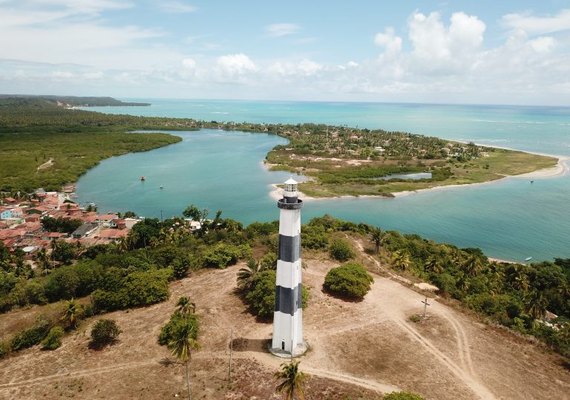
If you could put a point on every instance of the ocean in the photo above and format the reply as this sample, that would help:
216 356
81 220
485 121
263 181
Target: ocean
509 219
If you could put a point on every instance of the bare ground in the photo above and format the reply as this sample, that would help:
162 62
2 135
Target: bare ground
358 350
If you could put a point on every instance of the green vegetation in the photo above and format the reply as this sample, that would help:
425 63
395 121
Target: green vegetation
349 161
341 250
63 225
74 101
292 383
349 281
180 334
403 396
43 144
104 332
53 339
31 336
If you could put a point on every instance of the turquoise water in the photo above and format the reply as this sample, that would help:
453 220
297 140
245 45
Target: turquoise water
510 219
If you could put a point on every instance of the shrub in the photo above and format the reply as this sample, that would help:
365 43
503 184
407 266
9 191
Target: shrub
403 396
349 280
137 289
221 255
104 332
32 336
4 349
53 339
177 321
261 297
340 250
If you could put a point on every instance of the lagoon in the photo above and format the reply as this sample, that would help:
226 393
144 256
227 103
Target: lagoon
509 219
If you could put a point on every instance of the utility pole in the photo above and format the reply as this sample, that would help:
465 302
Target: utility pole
426 304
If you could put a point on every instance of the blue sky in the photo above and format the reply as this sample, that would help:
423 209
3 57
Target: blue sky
509 52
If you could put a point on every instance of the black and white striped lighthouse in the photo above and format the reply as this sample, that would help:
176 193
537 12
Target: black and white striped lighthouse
288 316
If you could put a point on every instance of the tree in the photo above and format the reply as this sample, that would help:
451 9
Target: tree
71 313
245 276
261 296
340 250
104 332
184 306
184 340
53 339
193 212
376 235
292 383
350 280
401 260
63 252
536 303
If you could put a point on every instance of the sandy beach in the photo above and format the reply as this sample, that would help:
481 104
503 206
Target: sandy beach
560 169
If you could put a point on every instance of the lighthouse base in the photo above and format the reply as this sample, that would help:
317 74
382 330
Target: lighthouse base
298 351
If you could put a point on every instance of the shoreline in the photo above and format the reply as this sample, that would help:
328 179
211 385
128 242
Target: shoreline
561 168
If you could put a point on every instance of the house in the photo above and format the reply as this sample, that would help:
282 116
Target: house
84 230
53 235
112 234
106 219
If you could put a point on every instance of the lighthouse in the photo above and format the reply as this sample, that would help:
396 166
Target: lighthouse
287 338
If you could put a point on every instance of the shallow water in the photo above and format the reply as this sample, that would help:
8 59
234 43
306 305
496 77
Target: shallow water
509 219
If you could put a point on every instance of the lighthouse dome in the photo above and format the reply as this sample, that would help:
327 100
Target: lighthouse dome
290 188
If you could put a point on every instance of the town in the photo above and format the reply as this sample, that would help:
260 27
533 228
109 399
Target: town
34 224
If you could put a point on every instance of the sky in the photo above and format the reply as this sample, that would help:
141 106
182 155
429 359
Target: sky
462 51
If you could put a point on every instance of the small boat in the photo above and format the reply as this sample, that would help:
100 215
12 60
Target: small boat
528 259
161 187
143 178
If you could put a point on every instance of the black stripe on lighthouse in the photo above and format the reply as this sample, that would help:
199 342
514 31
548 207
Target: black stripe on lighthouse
289 248
287 300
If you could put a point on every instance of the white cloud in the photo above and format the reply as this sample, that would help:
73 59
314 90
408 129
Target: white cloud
236 64
388 40
301 68
279 30
189 63
432 41
176 7
543 44
538 25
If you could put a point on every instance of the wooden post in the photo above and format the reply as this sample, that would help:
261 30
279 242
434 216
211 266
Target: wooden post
426 304
230 360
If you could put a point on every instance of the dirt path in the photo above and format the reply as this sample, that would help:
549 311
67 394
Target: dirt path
46 165
371 345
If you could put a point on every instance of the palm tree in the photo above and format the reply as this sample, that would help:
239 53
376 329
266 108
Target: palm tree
376 236
536 303
401 260
245 276
70 314
182 344
472 265
433 265
293 381
185 306
43 261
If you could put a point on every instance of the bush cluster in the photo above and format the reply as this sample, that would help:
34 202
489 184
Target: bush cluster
104 332
350 280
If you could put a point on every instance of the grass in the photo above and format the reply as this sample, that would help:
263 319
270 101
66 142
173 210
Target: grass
339 160
494 165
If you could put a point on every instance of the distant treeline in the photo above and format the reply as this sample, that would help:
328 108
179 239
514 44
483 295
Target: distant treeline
76 101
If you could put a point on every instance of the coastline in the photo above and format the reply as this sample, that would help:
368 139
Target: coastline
561 168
